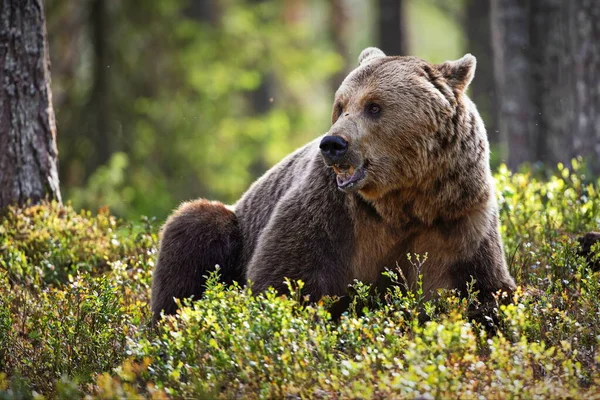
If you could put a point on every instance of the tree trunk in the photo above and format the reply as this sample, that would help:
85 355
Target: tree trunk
391 27
510 38
338 28
28 154
260 104
477 23
102 138
260 98
202 10
566 35
547 56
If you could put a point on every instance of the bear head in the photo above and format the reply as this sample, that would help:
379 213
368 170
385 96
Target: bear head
392 118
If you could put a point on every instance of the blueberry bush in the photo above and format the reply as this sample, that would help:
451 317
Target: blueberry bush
75 318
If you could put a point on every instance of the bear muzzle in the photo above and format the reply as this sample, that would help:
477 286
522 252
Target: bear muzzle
347 163
348 177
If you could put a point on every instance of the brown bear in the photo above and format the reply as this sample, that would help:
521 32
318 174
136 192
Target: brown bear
403 169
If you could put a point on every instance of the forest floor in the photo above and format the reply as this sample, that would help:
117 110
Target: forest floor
75 317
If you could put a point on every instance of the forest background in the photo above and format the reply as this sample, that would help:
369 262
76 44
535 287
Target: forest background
164 101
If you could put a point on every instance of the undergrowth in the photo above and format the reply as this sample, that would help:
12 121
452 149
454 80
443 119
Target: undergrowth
74 317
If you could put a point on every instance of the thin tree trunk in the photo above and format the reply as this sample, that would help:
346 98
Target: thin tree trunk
260 104
392 38
339 36
101 135
260 98
510 38
477 23
203 10
28 154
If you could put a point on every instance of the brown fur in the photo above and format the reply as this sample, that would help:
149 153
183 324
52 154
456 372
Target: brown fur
199 235
586 242
427 189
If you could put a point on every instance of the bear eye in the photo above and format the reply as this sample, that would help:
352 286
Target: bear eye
374 108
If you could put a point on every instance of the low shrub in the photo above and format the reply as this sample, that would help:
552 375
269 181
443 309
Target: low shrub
52 241
75 319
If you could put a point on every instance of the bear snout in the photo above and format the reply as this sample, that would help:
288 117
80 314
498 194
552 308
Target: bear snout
333 148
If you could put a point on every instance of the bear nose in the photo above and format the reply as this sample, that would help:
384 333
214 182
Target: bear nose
333 147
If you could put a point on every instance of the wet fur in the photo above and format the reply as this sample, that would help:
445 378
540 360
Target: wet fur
428 190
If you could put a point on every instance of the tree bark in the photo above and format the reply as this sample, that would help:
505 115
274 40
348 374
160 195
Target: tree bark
260 103
102 138
338 28
511 44
203 10
567 79
392 38
28 155
260 98
547 55
477 22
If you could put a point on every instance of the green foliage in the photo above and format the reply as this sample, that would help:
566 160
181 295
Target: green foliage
200 104
107 185
72 332
73 288
51 242
539 218
266 344
81 327
435 31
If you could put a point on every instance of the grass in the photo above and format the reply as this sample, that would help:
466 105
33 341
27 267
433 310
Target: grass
74 317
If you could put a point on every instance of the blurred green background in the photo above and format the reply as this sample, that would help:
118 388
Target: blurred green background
163 101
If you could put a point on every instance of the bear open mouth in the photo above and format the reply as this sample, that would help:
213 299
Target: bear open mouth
348 176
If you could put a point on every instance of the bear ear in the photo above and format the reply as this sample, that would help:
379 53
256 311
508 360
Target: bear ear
368 54
459 73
